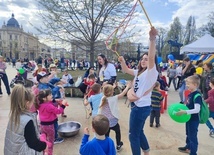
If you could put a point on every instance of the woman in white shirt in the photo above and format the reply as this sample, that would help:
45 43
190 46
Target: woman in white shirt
106 71
140 96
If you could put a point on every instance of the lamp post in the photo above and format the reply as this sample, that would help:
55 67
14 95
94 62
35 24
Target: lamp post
138 51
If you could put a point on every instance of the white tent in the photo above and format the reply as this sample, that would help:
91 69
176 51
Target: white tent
203 45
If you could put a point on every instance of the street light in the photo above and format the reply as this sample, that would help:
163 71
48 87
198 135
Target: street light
138 51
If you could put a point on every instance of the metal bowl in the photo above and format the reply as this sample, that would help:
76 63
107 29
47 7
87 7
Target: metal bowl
69 129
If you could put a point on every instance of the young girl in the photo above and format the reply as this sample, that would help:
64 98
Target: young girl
22 135
48 115
109 108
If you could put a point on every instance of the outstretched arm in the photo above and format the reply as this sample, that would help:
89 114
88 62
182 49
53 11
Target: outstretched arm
151 54
128 85
125 67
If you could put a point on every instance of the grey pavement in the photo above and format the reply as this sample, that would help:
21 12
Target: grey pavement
163 141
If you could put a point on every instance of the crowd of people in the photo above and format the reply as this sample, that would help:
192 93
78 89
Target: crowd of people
47 100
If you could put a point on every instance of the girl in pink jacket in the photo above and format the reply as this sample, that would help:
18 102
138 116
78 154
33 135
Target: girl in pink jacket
48 115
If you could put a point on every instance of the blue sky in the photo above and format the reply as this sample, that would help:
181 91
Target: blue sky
161 13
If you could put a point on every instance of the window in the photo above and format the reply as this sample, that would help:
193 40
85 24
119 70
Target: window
11 45
10 36
0 44
16 45
0 36
16 37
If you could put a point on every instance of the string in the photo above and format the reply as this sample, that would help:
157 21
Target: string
115 38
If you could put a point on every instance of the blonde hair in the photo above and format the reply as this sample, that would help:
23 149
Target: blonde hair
107 92
19 97
194 79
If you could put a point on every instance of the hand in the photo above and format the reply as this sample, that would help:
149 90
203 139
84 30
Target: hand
121 59
181 112
105 83
152 34
42 138
129 84
86 131
131 95
65 103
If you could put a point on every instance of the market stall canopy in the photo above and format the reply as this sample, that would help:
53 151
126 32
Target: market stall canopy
204 45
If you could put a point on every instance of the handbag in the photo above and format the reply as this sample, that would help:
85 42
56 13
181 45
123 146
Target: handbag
71 81
78 82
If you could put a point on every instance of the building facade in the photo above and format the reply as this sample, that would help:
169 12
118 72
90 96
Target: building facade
15 43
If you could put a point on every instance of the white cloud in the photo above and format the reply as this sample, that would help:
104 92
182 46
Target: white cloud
200 9
25 12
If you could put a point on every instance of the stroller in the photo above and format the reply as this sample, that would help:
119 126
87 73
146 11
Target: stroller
21 78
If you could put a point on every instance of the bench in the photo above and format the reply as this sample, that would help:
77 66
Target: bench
73 91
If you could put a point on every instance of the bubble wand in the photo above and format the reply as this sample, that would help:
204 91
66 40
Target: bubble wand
145 13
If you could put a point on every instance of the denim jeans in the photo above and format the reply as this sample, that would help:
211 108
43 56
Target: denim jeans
137 137
191 136
181 91
209 125
56 129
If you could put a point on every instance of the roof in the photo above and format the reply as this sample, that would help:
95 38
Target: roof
204 45
12 22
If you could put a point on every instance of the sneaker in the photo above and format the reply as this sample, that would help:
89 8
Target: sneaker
157 125
151 125
1 95
63 115
184 150
58 140
212 132
119 147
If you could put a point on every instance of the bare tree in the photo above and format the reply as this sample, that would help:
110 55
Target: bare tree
82 22
161 39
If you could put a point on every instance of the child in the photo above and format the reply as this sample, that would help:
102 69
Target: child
95 99
101 144
48 115
210 101
68 78
191 147
89 82
22 135
156 105
109 108
43 83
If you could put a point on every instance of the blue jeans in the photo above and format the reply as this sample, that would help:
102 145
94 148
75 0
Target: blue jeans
56 129
192 139
181 91
209 125
137 137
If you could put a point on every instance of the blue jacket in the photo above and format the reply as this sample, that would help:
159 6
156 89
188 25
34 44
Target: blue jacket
97 147
54 89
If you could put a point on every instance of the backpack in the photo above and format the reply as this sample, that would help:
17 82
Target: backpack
204 111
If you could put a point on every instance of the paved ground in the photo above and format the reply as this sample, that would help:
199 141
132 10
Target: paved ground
163 141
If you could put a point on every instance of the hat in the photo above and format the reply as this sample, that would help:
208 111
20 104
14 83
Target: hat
52 66
42 74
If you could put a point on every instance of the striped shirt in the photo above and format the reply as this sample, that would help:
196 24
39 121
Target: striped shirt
156 99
